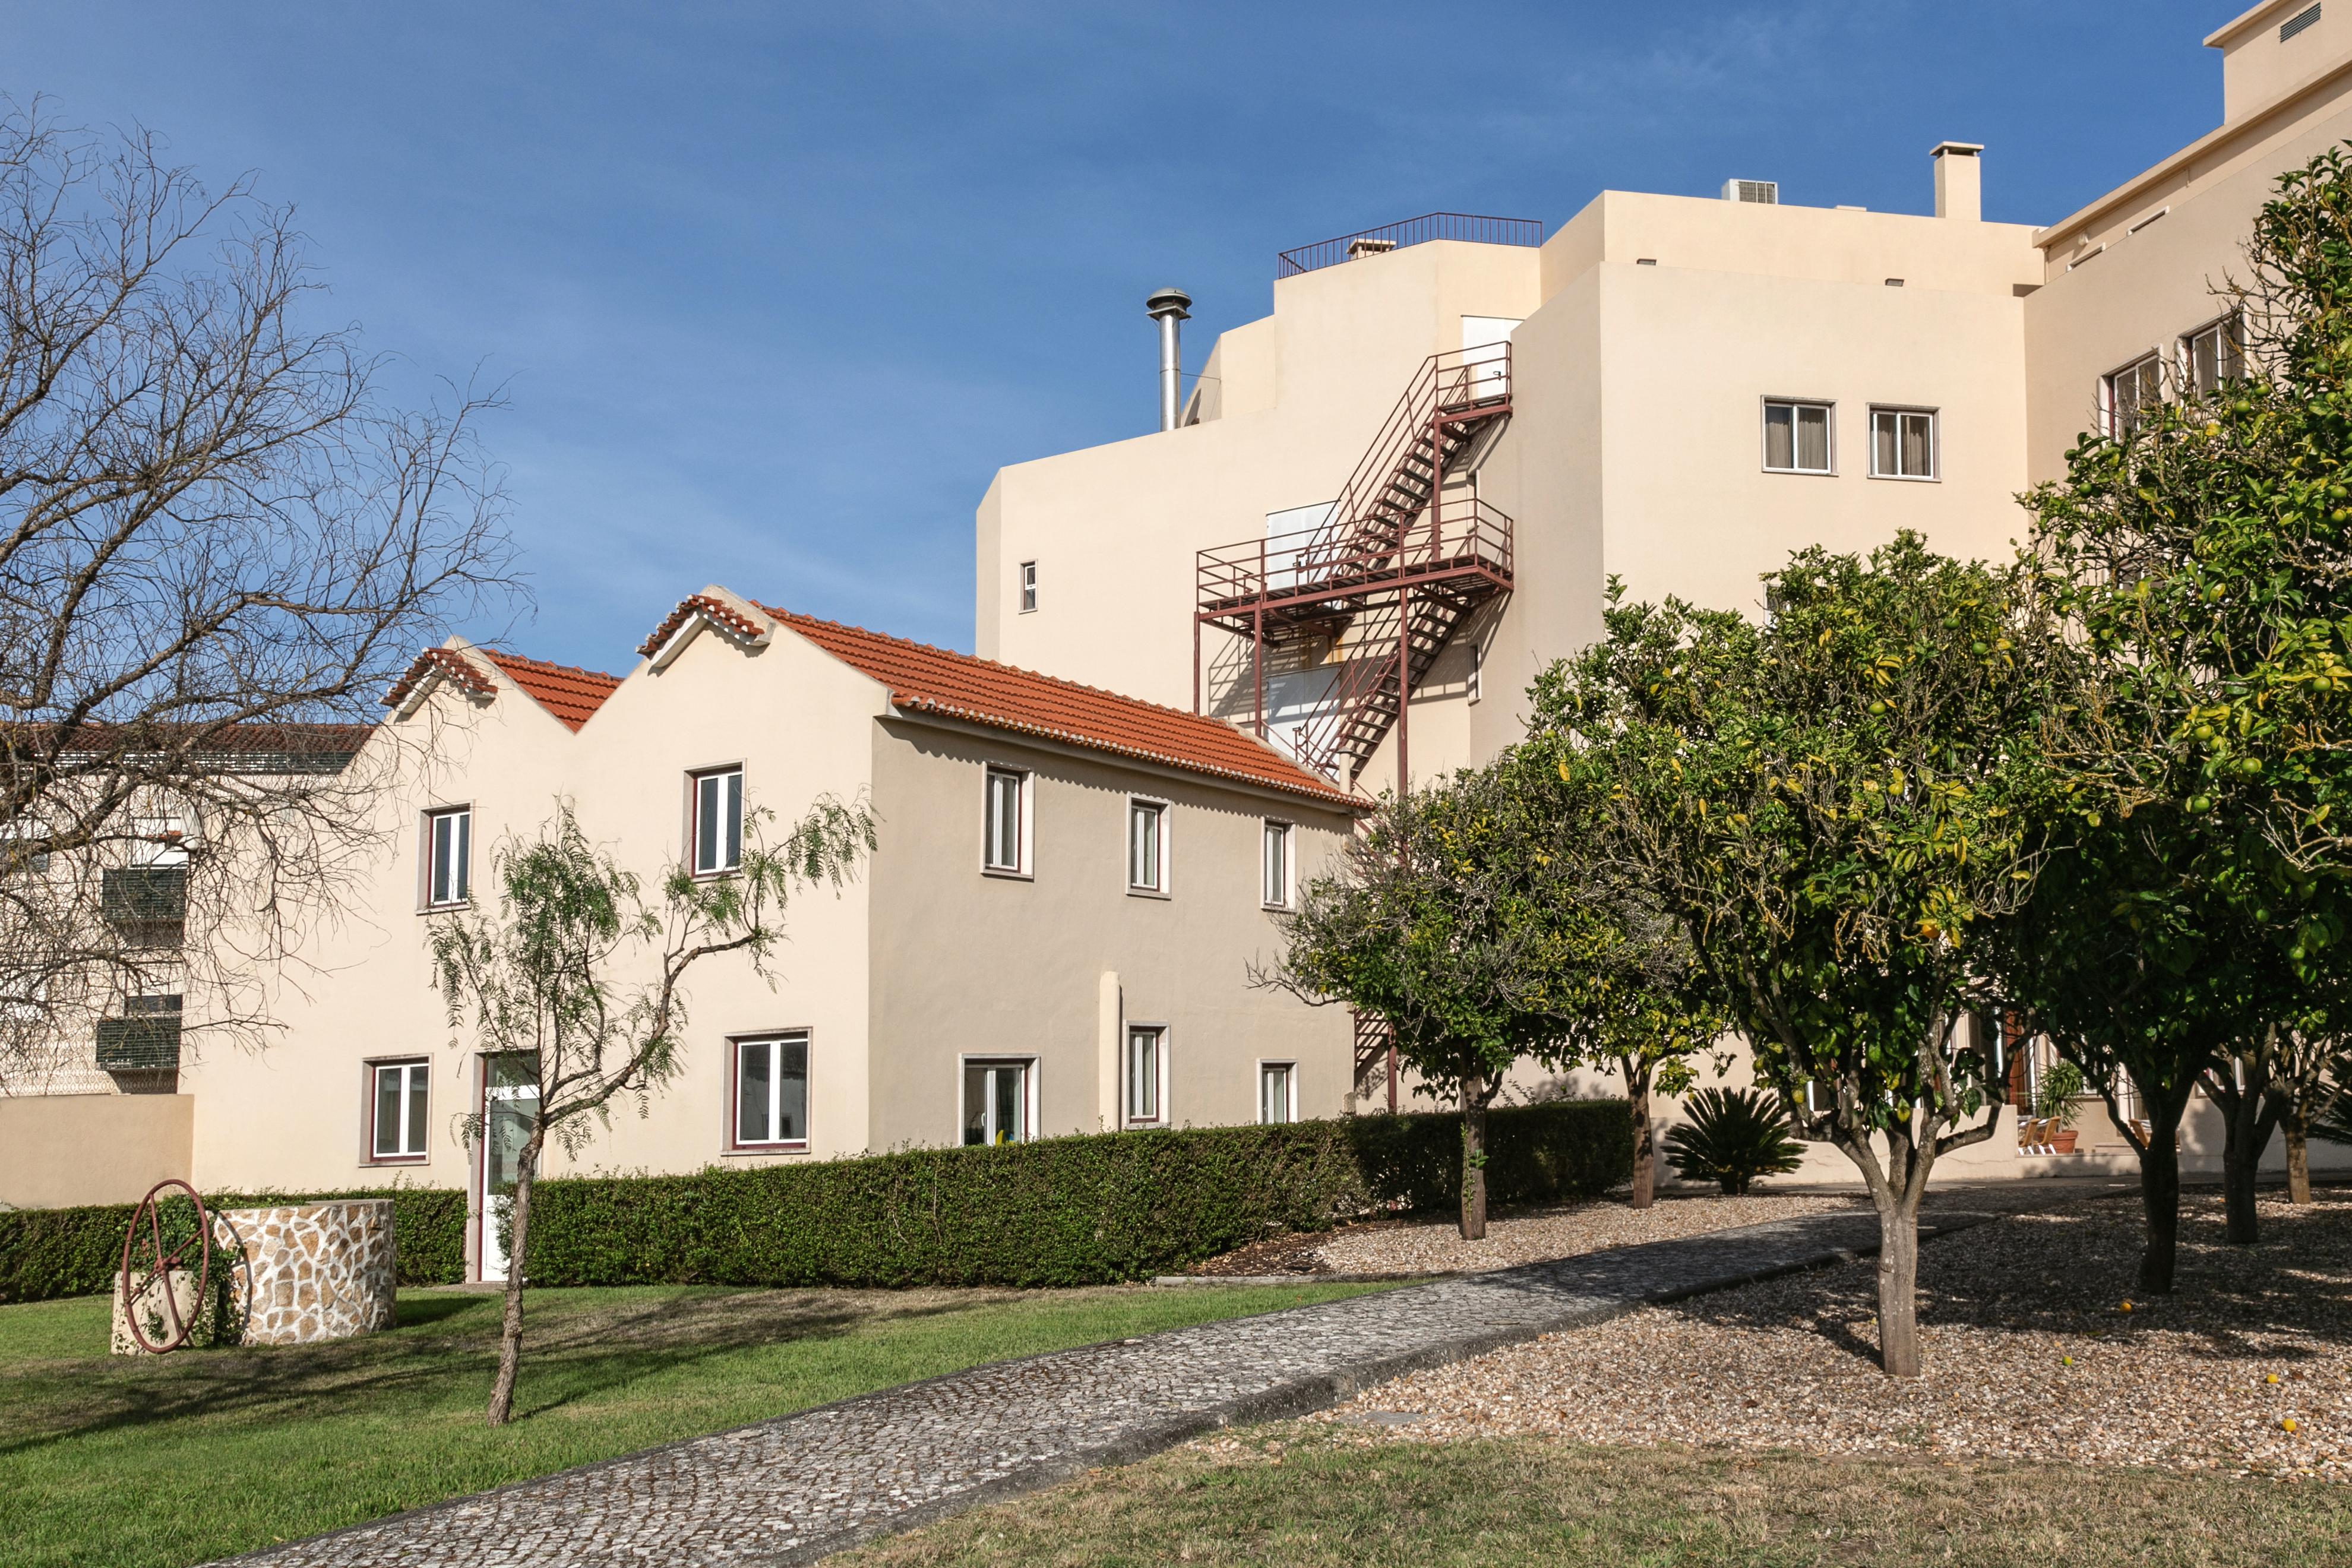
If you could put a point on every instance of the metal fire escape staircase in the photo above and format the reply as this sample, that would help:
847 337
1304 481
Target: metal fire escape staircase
1377 593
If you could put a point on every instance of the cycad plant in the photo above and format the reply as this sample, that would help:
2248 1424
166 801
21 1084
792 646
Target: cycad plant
1732 1137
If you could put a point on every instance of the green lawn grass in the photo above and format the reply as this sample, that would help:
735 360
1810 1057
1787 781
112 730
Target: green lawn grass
156 1463
1307 1497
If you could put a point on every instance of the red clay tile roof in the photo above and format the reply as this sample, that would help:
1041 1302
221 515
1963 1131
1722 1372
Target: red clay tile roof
572 695
444 661
933 680
719 610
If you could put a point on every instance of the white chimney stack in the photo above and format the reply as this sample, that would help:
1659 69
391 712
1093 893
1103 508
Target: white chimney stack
1960 181
1168 307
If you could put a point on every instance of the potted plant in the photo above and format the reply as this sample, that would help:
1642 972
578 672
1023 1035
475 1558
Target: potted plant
2053 1104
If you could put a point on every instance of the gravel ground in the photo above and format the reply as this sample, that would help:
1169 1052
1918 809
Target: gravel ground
2036 1347
1538 1235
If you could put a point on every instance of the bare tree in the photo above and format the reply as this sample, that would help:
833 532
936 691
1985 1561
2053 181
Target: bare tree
219 543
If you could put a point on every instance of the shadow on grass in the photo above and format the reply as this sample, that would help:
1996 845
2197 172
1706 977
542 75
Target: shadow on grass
570 1353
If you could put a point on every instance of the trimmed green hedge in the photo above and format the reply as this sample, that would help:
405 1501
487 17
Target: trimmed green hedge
1084 1210
1061 1211
76 1251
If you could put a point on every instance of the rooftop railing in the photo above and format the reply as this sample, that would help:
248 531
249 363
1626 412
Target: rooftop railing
1469 226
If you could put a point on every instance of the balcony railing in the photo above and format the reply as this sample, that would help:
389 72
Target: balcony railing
1463 537
144 895
1470 226
150 1043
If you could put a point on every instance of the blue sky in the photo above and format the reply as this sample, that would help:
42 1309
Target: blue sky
775 288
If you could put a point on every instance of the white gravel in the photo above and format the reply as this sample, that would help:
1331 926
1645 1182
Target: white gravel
1535 1236
2030 1354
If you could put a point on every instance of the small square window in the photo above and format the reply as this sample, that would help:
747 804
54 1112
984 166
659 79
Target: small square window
1028 586
1147 1076
2213 355
717 837
996 1100
1796 438
1147 847
1006 830
397 1125
1902 444
2132 395
1277 1092
1274 882
448 856
772 1092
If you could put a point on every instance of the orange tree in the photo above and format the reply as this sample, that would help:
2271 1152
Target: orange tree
1834 804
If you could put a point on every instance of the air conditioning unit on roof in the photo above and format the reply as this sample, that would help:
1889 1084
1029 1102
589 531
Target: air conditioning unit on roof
1765 191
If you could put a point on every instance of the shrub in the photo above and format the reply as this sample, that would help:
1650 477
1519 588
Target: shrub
2054 1100
1732 1138
77 1251
1084 1210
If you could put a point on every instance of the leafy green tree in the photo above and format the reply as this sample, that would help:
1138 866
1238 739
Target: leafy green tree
1834 804
543 980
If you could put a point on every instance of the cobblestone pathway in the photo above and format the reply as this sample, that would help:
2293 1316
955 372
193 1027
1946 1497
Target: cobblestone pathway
792 1489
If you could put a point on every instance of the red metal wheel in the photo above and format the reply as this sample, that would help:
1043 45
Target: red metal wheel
144 1253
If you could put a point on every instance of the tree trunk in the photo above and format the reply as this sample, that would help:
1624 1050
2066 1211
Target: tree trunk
2247 1122
510 1322
1473 1156
2160 1197
2298 1163
1645 1133
1898 1283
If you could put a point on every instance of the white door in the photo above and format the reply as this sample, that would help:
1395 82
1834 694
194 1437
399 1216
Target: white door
509 1108
1482 338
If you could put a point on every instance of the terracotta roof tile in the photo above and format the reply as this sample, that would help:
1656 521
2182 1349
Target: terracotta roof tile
931 679
717 610
447 662
571 694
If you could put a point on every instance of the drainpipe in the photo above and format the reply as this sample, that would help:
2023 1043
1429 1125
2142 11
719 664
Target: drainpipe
1168 307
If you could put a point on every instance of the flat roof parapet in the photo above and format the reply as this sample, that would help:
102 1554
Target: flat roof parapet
1472 227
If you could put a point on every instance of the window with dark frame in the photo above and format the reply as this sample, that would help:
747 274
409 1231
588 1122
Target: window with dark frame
448 856
771 1091
1902 444
1274 889
1147 1073
717 835
1147 847
1006 848
400 1095
1796 437
1028 586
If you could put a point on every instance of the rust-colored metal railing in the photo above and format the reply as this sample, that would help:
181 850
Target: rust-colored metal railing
1472 226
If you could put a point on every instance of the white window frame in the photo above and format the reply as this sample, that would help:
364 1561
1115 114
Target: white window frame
1025 587
412 1137
724 865
1276 887
2111 405
429 881
774 1040
966 1062
1290 1089
1153 1040
1137 805
1764 434
1898 411
2229 330
1023 782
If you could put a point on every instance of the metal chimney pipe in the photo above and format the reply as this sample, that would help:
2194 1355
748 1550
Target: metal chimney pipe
1168 307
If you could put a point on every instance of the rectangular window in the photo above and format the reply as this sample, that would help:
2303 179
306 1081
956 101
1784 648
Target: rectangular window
1796 438
1277 1092
2132 395
996 1102
717 821
1274 887
1007 829
1147 847
1028 586
1147 1076
772 1092
1902 444
397 1110
448 856
2211 355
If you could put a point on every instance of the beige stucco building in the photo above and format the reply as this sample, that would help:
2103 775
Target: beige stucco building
1674 392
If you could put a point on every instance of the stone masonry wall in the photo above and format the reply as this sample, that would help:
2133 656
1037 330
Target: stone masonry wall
317 1271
